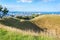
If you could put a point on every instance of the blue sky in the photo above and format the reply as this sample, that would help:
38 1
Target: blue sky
32 5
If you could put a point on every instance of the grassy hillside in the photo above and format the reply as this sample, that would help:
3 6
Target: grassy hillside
43 27
7 35
49 22
23 25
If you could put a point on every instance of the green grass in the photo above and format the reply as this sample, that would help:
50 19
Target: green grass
34 24
7 35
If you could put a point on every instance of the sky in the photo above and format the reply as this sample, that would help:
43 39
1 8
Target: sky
32 5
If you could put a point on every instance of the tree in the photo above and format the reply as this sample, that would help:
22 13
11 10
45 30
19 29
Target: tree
4 11
1 8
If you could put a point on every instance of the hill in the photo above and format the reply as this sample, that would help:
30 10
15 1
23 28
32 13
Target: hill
49 22
22 26
46 27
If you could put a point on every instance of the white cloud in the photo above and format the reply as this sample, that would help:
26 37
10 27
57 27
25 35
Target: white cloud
48 0
12 7
28 1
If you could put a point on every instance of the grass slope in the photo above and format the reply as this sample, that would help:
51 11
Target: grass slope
23 25
7 35
50 22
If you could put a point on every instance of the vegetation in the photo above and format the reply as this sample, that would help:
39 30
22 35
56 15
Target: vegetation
27 17
7 35
38 24
3 12
35 15
24 25
49 22
1 8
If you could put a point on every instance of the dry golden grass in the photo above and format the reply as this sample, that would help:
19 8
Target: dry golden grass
50 22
